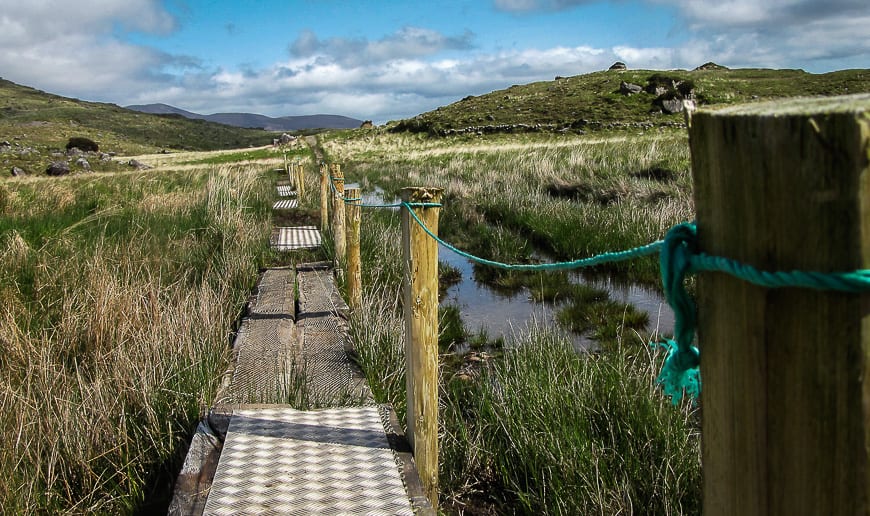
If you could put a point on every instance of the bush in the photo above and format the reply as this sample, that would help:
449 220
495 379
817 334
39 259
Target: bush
83 144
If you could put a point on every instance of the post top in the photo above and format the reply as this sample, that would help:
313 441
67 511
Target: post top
843 104
422 194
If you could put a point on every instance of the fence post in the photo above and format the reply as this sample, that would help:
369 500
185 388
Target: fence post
420 253
338 231
300 180
324 197
286 166
786 390
354 266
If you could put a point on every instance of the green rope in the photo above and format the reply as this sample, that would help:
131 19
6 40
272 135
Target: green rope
636 252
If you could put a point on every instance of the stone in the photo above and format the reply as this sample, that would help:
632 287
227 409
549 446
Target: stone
368 124
286 138
58 168
17 172
676 105
138 165
83 163
619 65
74 151
626 88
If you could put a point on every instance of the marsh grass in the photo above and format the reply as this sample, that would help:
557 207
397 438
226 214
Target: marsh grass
120 294
544 430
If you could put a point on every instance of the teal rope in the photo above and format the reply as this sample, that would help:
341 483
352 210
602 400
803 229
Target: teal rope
680 256
636 252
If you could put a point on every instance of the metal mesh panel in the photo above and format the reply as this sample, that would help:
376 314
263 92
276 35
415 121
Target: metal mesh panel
288 239
275 294
284 461
286 204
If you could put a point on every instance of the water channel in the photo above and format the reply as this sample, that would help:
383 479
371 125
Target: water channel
505 315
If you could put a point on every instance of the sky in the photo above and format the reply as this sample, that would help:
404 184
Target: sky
387 60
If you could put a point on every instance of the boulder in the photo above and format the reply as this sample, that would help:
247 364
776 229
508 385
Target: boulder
83 163
619 65
57 168
286 138
138 165
17 172
675 105
368 123
626 88
74 151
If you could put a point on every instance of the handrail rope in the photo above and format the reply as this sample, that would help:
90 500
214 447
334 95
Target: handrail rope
636 252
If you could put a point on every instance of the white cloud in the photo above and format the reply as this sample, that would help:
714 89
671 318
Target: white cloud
78 50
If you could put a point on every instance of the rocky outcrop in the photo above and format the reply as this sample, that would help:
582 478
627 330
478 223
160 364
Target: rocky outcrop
619 65
83 164
710 65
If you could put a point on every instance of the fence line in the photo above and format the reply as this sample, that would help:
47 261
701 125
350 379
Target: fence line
678 258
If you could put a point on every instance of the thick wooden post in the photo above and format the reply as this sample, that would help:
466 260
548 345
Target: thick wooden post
338 231
420 253
784 186
354 266
324 197
286 166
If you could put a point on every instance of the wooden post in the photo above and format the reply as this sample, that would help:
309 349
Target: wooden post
786 393
420 253
324 197
338 231
286 166
300 181
354 267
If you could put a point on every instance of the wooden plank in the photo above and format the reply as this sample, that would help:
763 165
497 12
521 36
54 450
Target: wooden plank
784 186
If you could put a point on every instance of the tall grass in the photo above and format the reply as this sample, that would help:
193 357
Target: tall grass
120 293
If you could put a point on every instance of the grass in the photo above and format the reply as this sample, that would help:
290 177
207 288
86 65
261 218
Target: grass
112 345
592 102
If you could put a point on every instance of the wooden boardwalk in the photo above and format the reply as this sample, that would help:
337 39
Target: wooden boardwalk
257 453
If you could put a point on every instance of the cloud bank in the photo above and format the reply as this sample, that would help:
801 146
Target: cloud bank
398 74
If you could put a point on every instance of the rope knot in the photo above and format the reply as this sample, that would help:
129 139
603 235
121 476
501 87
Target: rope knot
680 373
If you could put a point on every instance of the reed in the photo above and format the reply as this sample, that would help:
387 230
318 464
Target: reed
121 293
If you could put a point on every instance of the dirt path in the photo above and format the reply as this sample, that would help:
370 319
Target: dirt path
318 152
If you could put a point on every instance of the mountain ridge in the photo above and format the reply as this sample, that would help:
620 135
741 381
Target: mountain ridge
255 121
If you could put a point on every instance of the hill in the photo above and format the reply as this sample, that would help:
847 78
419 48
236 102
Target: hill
43 120
599 100
251 120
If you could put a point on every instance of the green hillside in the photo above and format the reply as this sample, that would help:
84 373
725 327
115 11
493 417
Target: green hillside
593 101
40 123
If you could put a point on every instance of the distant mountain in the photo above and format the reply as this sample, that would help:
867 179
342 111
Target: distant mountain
251 120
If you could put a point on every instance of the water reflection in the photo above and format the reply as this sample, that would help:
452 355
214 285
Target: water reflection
503 315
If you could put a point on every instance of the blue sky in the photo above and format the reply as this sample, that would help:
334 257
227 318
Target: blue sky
384 60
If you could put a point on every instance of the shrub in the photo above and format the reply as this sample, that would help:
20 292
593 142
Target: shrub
83 144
